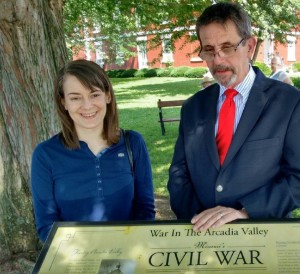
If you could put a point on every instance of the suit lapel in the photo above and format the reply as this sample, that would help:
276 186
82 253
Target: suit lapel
210 111
253 109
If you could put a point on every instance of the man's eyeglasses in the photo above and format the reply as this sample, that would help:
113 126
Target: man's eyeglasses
224 52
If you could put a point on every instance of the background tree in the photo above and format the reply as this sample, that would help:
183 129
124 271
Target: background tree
119 21
273 19
32 49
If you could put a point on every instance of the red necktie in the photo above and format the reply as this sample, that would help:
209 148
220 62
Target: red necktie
226 124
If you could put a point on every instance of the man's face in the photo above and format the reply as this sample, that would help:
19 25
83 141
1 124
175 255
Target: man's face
274 65
228 71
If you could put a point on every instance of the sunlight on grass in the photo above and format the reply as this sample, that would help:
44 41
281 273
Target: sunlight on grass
133 82
162 168
296 213
160 191
144 102
166 148
137 104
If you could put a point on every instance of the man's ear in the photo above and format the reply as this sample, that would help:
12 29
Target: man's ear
251 43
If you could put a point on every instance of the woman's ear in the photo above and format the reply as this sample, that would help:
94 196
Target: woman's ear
63 103
107 98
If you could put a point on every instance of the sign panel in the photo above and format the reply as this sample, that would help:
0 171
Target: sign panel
245 247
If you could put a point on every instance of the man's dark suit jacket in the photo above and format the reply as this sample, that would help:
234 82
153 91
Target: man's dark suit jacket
261 171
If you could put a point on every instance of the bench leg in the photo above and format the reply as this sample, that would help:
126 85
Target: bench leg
163 130
162 124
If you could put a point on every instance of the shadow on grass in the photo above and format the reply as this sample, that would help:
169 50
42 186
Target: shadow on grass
159 87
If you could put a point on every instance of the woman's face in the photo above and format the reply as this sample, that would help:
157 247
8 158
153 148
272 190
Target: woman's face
87 108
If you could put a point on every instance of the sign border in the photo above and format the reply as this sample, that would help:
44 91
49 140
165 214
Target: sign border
56 225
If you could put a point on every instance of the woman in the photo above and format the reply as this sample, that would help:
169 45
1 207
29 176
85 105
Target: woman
83 173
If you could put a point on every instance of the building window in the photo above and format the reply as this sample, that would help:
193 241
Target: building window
100 54
291 54
142 52
167 54
119 56
268 51
87 45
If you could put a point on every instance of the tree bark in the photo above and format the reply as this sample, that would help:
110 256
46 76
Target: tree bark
258 44
32 48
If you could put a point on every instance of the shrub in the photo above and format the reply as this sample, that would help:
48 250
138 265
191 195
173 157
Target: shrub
296 66
140 73
111 73
115 73
296 82
164 72
264 68
179 71
128 73
195 72
150 73
145 73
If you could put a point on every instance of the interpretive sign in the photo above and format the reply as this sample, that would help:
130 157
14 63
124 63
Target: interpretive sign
245 247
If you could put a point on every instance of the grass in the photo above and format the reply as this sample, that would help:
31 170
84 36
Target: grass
137 103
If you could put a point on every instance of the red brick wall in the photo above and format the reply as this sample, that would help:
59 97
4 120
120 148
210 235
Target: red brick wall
186 55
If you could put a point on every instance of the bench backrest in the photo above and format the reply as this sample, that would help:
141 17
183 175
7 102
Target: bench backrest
172 103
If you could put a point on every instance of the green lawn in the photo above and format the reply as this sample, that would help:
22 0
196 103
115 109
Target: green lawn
137 103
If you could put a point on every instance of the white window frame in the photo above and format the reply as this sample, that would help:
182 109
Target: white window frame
142 52
291 52
167 56
100 55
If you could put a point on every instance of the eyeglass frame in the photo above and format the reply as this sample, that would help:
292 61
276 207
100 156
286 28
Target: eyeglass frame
218 52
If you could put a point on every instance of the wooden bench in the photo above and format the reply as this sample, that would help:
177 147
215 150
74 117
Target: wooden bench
162 104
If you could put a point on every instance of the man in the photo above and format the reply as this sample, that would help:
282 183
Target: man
257 175
277 71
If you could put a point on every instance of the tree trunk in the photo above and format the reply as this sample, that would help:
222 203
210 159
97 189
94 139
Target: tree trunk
32 48
258 43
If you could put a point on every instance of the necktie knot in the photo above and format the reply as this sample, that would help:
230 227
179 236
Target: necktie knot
230 93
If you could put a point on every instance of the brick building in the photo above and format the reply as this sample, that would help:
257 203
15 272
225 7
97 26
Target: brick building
185 54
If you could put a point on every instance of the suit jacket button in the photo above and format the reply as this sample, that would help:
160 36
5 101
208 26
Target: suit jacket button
219 188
